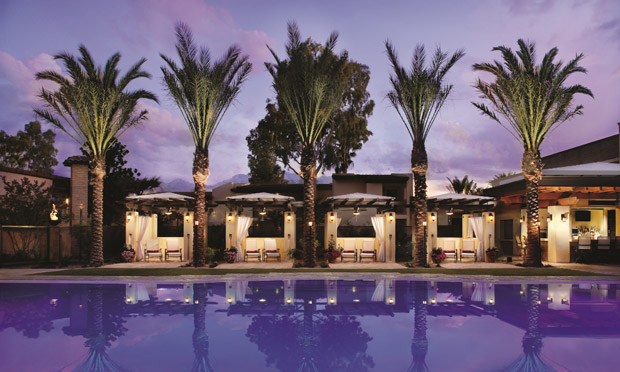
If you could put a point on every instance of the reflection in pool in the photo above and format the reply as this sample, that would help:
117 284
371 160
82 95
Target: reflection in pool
310 325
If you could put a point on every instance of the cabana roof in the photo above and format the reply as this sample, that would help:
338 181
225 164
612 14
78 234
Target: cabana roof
165 196
160 199
261 199
452 200
359 199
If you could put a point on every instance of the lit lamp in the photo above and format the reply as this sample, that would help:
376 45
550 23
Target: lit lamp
187 217
54 216
550 218
450 212
289 217
230 216
331 217
263 211
67 201
356 211
391 217
564 217
520 219
491 217
423 223
310 223
433 217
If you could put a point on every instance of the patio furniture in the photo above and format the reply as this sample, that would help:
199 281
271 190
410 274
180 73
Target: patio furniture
173 250
469 249
449 248
520 244
271 250
348 250
584 244
251 250
368 249
604 243
151 249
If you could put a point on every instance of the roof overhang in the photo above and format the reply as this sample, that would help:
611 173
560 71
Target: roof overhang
359 199
460 201
260 199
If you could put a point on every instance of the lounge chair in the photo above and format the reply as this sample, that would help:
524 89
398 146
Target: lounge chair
449 249
349 250
469 249
173 250
251 250
604 243
585 243
271 251
151 249
368 249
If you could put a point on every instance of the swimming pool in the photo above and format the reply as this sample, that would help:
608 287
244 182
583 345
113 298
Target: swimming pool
310 325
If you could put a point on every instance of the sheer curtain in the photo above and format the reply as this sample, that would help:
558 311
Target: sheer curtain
143 223
243 225
379 294
379 225
475 224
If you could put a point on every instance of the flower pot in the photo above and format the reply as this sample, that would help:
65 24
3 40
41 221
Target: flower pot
230 256
491 257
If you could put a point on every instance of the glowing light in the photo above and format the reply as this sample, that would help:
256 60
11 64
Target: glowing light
289 217
390 217
356 300
230 215
187 217
450 212
491 217
433 218
433 301
263 211
332 217
196 302
288 300
356 211
262 300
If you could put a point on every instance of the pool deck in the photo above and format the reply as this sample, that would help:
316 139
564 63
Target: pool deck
607 272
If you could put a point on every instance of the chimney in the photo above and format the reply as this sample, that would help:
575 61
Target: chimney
79 189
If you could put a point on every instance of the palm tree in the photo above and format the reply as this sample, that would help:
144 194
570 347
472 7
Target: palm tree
418 95
203 90
308 87
463 186
533 100
94 107
200 338
419 342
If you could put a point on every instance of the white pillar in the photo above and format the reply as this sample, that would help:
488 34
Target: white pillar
331 228
431 234
131 229
559 234
390 236
188 235
289 232
231 229
488 229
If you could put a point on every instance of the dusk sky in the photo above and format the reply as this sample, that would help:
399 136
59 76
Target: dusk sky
461 141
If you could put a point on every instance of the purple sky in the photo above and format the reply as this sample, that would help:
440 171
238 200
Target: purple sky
461 141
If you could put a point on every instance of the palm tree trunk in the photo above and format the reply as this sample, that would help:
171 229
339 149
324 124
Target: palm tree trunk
419 343
532 171
200 339
200 172
308 170
97 171
419 167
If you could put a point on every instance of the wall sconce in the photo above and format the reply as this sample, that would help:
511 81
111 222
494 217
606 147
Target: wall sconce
54 213
550 218
67 201
263 211
433 217
128 217
230 216
550 299
332 217
565 301
356 211
187 217
520 219
391 217
310 223
423 223
289 217
564 217
491 217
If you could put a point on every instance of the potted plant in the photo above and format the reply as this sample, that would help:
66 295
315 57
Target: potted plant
128 253
438 256
230 255
492 254
331 254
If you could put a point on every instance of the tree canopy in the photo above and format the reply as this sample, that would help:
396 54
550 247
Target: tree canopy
463 186
30 149
25 202
275 144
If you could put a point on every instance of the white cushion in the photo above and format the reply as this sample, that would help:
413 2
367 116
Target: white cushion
152 245
448 245
349 245
270 245
250 246
172 244
368 246
469 247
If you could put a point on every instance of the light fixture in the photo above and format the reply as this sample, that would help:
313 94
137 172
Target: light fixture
520 219
564 301
549 299
67 201
332 217
423 223
564 217
263 211
289 217
433 217
491 301
550 218
187 217
356 211
450 212
391 300
128 217
230 216
196 222
169 211
289 300
262 300
331 300
54 213
491 217
391 217
433 301
229 300
310 223
356 300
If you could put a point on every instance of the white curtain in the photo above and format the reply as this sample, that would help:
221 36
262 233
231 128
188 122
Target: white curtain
379 225
478 294
379 294
143 224
241 288
475 225
243 225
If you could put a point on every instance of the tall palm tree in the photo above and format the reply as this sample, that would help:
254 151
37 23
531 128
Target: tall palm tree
463 186
419 342
417 95
93 106
308 87
534 100
200 338
203 90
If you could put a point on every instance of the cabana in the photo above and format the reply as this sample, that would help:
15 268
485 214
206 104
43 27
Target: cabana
359 209
240 217
461 224
141 221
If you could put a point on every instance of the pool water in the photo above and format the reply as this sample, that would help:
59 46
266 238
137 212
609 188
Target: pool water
310 325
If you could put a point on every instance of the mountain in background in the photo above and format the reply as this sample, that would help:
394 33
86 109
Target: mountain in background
180 185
